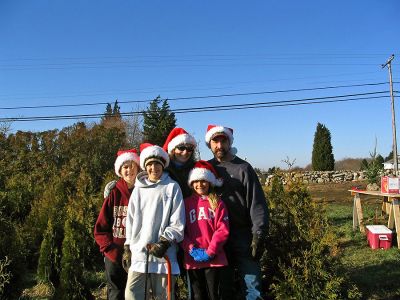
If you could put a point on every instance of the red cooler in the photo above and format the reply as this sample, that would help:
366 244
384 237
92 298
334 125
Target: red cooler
379 236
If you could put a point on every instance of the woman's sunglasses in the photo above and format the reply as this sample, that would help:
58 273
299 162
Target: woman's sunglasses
187 148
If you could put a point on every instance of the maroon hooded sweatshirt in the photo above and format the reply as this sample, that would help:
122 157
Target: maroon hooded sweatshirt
109 231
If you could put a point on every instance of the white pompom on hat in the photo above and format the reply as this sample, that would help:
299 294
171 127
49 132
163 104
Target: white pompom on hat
176 137
216 130
203 170
124 156
150 152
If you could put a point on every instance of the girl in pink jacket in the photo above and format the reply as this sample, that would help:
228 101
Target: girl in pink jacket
206 231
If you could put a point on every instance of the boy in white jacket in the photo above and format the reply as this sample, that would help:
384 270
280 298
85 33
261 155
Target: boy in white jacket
156 219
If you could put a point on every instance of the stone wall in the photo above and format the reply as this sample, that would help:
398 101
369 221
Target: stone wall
321 176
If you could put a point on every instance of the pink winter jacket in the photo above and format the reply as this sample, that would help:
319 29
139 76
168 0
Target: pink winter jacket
205 229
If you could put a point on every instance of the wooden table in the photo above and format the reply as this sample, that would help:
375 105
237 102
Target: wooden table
390 205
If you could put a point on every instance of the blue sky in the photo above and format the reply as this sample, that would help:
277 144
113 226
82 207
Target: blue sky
59 52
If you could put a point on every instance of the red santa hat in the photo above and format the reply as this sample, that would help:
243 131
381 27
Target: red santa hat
149 152
203 170
122 157
176 137
216 130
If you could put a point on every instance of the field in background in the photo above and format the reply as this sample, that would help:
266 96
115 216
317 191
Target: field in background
375 272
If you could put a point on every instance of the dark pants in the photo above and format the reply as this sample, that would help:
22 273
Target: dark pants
243 275
206 283
116 280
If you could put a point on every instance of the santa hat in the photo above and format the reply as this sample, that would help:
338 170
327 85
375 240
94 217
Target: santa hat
216 130
124 156
203 170
176 137
149 152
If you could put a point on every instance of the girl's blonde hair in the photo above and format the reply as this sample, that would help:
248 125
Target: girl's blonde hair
213 199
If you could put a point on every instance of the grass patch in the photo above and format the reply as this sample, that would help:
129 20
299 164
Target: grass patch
375 272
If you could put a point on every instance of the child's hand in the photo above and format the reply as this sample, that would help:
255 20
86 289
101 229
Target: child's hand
200 255
193 252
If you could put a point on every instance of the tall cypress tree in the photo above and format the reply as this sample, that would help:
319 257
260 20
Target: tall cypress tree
322 156
78 241
158 121
108 113
116 110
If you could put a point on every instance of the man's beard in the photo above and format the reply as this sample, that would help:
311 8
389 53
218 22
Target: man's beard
220 153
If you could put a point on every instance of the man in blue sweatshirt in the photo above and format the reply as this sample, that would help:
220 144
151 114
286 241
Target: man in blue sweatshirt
248 211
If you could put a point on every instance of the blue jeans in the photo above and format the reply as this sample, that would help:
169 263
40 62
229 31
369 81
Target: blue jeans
247 269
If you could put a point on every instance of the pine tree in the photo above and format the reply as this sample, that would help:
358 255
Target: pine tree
158 122
364 165
304 264
108 113
49 214
390 156
112 117
322 156
78 246
116 110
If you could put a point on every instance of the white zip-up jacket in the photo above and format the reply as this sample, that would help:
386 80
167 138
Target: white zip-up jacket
155 210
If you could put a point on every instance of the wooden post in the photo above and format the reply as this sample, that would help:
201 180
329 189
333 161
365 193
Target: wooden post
358 218
355 217
396 218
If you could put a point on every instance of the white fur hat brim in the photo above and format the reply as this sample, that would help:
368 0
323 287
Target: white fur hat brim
221 130
204 174
124 157
179 140
153 151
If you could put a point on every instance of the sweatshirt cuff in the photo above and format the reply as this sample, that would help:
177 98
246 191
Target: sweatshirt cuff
106 247
210 252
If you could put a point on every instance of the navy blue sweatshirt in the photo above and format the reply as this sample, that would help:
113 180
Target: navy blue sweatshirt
243 195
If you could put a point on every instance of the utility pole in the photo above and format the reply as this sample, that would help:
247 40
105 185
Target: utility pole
389 65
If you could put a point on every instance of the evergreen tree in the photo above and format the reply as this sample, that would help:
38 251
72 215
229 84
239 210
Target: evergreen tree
78 244
112 117
375 166
303 265
390 156
380 160
50 254
158 122
116 110
364 165
108 113
47 220
322 156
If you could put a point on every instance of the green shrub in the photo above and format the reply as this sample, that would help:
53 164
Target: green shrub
5 275
301 261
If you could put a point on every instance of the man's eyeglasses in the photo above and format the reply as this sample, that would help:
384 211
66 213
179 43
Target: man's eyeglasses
187 148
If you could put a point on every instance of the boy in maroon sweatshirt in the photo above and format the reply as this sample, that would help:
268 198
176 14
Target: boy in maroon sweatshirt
109 231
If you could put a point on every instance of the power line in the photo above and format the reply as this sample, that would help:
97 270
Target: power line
264 55
107 65
292 102
186 88
201 60
198 97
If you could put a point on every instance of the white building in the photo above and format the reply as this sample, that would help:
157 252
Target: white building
388 165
